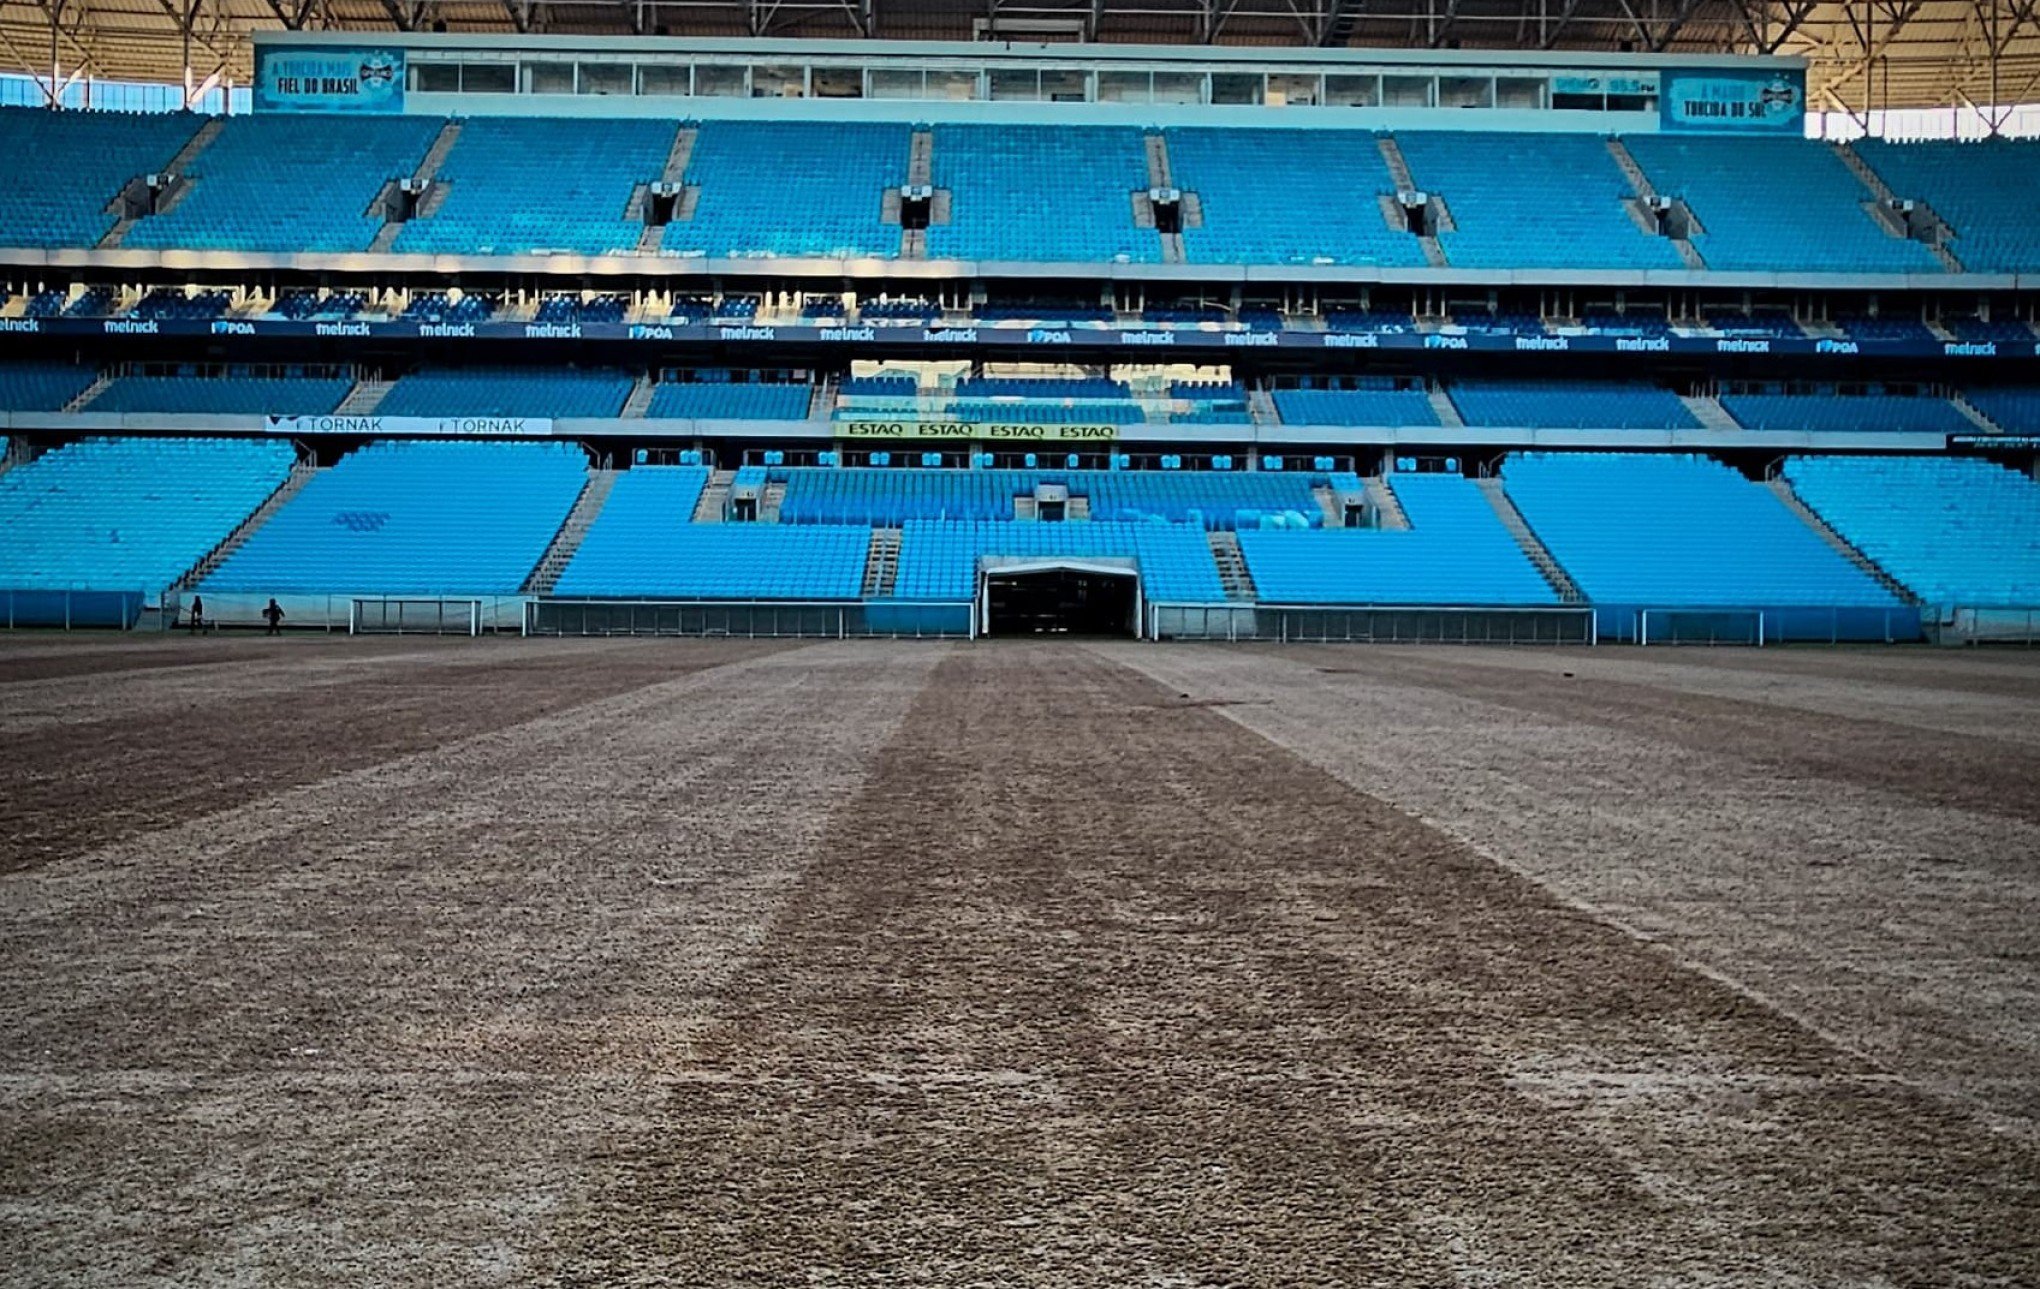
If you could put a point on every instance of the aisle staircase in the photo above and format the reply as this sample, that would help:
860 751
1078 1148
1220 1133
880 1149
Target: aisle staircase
882 564
594 495
1519 528
1232 566
1782 489
300 474
425 173
1640 184
364 398
1387 507
1710 413
173 193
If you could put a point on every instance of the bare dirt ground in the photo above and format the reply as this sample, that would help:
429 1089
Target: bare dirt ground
653 963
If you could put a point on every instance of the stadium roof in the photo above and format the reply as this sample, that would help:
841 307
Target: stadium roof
1862 54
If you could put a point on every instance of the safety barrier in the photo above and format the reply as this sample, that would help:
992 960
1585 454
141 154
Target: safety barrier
1371 624
71 610
754 619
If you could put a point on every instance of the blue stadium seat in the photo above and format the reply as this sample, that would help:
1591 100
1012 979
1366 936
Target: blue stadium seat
414 518
939 558
1032 192
1828 410
226 395
1374 405
1570 404
785 188
510 391
42 387
728 400
1287 197
1988 191
65 168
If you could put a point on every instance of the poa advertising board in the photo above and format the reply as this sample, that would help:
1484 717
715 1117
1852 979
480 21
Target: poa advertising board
325 79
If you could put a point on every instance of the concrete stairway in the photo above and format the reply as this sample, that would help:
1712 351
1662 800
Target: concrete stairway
1781 488
822 401
1519 528
178 164
85 396
1387 507
364 398
1261 407
770 499
1232 566
426 171
1710 413
1640 184
640 401
1328 502
1442 405
1399 172
594 495
715 498
674 171
300 474
1975 414
882 564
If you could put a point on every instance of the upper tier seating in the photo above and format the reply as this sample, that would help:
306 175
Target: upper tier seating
64 168
1287 197
290 183
889 498
1566 404
1953 530
41 387
1678 531
1454 552
1775 204
1030 192
726 400
518 185
414 518
644 545
129 514
1524 200
512 391
2011 407
1988 191
230 395
1827 410
1378 406
939 558
784 188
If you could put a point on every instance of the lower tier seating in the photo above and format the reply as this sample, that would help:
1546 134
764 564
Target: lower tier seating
1953 530
414 518
1454 552
643 545
939 558
129 514
1634 529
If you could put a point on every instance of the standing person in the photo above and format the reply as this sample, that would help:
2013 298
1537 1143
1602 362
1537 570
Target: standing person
197 613
274 613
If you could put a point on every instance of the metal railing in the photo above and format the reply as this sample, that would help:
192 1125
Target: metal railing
1371 624
1756 625
755 619
1967 624
426 617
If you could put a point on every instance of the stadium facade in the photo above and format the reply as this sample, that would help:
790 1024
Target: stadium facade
819 337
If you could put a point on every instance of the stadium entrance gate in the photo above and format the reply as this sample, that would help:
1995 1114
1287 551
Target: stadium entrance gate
1059 597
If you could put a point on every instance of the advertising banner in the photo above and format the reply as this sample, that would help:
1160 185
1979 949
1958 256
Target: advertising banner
1727 101
329 80
987 431
467 427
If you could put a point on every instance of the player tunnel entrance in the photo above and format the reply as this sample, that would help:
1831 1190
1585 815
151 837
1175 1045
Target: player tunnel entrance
1059 598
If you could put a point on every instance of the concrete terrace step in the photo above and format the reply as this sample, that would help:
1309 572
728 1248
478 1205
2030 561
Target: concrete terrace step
1233 574
1387 506
882 564
715 498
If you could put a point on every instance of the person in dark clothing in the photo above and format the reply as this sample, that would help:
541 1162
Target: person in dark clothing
274 613
197 619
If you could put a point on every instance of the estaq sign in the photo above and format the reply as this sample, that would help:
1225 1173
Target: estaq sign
987 431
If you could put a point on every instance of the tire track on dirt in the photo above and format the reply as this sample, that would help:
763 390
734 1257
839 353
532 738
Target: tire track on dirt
1093 986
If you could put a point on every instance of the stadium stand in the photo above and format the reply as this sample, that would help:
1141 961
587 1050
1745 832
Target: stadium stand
1612 404
290 183
510 391
939 558
1953 530
643 544
890 498
65 168
1526 200
1987 190
781 188
413 518
42 387
499 202
1775 204
1040 193
1287 197
1638 531
728 400
228 395
1454 552
1827 409
1377 402
129 514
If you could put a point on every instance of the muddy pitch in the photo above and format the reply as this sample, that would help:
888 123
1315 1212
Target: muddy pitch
592 963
